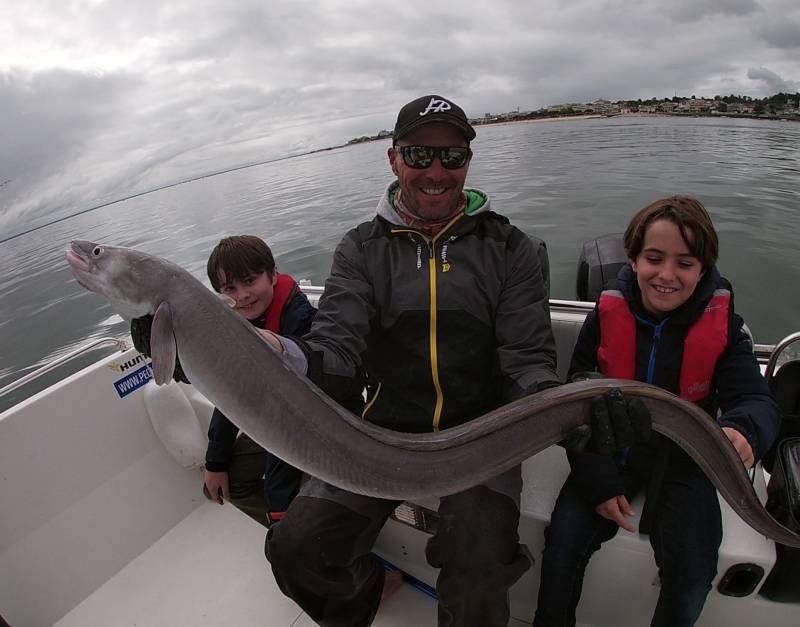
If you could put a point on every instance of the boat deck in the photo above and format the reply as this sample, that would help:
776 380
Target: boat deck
108 527
210 569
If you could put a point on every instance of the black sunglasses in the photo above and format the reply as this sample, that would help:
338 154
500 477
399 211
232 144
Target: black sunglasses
421 157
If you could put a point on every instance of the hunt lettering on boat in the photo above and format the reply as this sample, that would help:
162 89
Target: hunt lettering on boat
127 365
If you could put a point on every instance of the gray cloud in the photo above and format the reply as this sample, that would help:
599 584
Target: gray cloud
693 10
107 99
52 118
773 81
781 33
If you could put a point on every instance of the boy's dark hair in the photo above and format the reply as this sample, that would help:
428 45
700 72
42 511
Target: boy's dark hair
689 215
237 257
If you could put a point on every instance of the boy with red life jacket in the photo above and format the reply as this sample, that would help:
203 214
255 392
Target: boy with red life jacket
671 324
261 485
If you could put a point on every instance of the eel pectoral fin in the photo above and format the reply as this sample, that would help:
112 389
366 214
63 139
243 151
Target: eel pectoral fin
163 350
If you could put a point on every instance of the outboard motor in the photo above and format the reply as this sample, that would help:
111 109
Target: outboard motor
600 261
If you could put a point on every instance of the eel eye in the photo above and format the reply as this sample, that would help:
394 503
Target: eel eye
97 251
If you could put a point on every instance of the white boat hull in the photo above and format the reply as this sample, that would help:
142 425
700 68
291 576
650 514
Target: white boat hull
102 525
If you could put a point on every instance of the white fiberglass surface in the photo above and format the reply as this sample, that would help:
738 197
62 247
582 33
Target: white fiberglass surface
210 569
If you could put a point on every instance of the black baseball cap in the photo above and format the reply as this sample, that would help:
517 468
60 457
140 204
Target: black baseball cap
431 109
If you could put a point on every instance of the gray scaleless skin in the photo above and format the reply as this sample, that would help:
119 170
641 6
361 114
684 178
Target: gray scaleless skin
229 362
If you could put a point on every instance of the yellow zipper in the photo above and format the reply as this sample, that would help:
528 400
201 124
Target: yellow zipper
433 339
371 401
437 411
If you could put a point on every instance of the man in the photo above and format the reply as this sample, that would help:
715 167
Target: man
441 307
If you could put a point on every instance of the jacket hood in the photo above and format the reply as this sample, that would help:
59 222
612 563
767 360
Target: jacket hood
477 202
690 310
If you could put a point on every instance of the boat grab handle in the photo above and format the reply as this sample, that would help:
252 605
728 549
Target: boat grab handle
121 345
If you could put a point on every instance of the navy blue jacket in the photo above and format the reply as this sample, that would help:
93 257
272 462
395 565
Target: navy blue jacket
296 319
740 395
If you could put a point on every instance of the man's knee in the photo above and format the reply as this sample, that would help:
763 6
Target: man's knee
477 529
316 533
280 547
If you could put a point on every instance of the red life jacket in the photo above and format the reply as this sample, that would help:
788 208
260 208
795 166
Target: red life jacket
702 347
282 292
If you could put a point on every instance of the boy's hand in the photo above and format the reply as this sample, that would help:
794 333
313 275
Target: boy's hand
616 508
140 334
741 445
217 485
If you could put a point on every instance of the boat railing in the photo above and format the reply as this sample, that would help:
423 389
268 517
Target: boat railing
766 353
776 352
314 291
122 346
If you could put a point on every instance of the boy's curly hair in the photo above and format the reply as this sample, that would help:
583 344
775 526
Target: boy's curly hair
691 218
237 257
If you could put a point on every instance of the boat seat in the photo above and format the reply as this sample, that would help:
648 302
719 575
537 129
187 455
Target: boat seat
785 387
566 334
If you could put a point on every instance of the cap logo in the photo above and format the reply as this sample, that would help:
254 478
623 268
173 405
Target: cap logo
436 106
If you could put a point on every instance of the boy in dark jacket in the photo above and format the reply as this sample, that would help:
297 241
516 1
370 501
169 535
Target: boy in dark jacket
672 324
258 483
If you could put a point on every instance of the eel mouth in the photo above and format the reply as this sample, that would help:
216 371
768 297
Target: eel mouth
77 256
79 261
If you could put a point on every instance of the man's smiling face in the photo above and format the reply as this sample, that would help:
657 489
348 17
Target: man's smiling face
434 192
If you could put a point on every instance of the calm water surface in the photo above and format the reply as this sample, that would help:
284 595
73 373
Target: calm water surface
565 181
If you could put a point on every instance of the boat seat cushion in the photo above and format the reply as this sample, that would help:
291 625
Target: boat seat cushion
566 334
176 423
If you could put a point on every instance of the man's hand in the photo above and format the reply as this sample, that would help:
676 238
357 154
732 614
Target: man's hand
618 422
217 485
272 339
741 445
140 334
616 508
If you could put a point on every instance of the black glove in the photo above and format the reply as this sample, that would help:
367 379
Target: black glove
140 334
616 423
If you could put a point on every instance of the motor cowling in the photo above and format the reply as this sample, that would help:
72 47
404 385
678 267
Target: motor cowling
600 261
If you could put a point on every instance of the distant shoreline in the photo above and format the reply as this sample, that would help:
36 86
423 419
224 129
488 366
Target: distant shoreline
592 116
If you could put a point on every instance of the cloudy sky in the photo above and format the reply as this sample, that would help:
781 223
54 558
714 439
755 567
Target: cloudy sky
100 99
